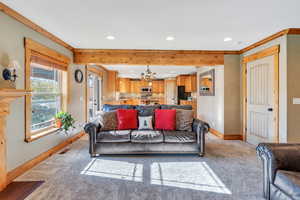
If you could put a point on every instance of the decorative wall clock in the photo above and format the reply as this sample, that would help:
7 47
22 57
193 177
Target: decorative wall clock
78 76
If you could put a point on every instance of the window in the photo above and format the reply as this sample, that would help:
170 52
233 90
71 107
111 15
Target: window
46 76
46 95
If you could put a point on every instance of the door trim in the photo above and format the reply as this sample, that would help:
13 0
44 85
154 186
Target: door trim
271 51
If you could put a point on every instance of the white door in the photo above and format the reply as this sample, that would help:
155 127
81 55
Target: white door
170 92
260 101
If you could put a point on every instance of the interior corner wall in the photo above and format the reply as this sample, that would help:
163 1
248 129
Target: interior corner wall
293 88
282 41
12 48
232 120
211 108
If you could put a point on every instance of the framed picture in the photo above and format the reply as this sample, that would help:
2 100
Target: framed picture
207 83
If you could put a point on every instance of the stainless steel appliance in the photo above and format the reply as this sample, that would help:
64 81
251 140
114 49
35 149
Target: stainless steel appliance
146 90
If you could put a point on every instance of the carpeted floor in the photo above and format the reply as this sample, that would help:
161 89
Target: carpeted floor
230 170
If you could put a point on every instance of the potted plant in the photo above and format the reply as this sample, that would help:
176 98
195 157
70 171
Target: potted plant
64 120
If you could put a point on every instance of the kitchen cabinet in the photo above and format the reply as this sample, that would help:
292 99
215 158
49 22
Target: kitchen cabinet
181 80
189 81
124 85
158 86
135 86
112 86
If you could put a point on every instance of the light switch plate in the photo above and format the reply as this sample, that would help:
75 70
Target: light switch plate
296 100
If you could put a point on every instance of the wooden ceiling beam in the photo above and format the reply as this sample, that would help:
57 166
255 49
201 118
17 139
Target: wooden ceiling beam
150 57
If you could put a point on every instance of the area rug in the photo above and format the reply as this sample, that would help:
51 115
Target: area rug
19 190
230 170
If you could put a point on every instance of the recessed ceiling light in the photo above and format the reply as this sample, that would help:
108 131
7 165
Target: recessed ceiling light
110 37
170 38
227 39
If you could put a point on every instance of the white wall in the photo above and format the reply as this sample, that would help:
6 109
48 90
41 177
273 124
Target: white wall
211 108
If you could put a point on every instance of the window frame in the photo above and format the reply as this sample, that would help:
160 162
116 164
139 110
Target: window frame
61 62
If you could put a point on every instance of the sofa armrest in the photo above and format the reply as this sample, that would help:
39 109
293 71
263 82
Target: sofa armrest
279 156
92 128
200 128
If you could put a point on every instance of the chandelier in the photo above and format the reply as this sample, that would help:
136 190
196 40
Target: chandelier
148 75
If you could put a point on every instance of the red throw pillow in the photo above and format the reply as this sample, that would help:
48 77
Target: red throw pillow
127 119
165 119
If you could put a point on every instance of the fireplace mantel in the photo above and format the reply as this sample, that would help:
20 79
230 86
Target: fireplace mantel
6 97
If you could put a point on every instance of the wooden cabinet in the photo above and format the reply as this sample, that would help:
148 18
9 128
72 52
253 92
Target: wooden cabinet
181 80
124 85
111 86
189 81
135 86
158 86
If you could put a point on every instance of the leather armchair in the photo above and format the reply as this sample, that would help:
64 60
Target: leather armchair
281 170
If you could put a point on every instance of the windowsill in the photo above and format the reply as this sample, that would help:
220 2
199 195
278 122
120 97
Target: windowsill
42 134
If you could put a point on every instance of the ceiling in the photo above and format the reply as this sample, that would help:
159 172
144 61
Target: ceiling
141 24
134 71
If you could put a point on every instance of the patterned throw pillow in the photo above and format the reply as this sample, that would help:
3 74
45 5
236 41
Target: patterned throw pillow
145 123
108 120
184 120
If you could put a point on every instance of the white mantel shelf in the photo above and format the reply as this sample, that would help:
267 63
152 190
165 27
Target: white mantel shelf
6 97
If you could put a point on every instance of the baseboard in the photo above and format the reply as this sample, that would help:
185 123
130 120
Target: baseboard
216 133
13 174
225 136
233 137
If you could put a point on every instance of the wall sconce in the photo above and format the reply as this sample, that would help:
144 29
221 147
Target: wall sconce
10 73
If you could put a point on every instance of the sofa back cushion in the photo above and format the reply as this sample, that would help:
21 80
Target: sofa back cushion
109 107
165 119
127 119
184 107
108 120
147 110
184 120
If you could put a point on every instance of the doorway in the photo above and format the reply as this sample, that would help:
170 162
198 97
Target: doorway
261 96
94 95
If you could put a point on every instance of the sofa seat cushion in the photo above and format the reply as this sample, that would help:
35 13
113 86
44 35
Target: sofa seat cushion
289 182
114 136
179 137
146 136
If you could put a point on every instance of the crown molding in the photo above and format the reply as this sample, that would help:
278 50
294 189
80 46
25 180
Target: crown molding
289 31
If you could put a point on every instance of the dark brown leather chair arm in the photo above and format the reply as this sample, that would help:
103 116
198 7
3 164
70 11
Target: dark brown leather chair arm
279 156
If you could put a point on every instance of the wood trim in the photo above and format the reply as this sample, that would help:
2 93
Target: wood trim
233 137
95 70
261 54
30 164
289 31
34 48
244 99
216 133
276 95
204 52
148 57
274 50
20 18
45 51
86 94
225 136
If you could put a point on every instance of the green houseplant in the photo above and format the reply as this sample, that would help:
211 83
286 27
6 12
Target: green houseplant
64 120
